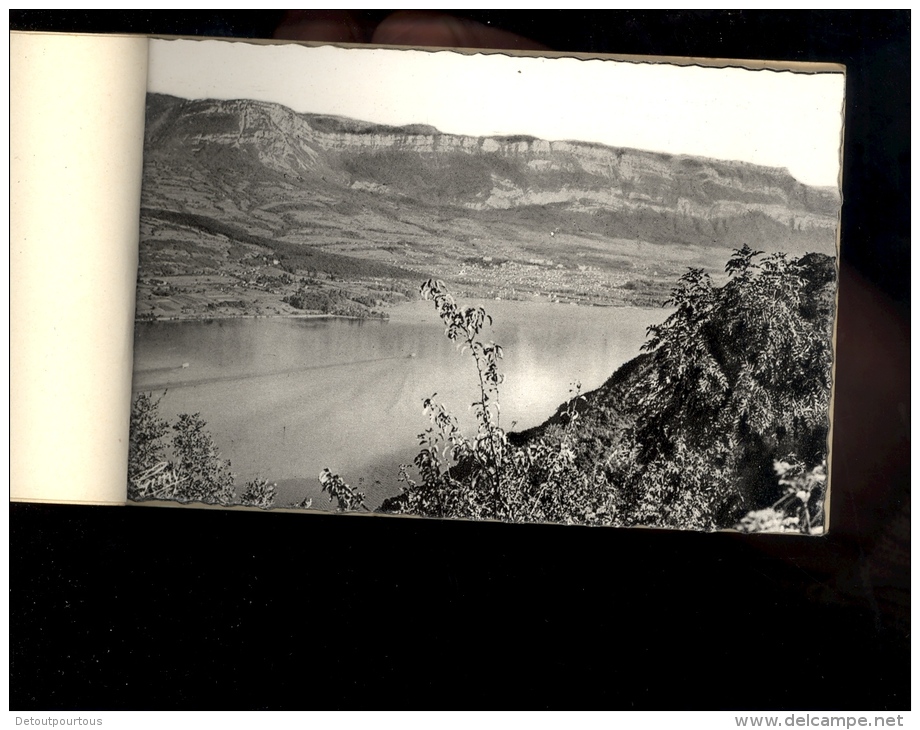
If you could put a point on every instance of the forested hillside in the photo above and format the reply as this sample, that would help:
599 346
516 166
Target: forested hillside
722 422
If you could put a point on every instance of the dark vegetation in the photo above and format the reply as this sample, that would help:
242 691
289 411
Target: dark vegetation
344 125
186 467
293 257
335 302
722 422
731 396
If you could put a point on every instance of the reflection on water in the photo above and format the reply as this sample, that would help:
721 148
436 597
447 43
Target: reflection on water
285 398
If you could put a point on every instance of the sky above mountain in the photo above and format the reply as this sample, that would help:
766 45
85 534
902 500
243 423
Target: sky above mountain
775 118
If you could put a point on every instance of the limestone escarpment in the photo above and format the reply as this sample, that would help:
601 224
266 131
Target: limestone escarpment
260 156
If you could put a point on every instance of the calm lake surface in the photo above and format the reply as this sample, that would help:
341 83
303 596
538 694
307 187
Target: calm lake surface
284 398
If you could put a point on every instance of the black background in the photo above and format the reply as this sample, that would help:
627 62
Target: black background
178 609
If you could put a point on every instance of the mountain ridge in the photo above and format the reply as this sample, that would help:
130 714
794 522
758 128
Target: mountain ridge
495 216
736 181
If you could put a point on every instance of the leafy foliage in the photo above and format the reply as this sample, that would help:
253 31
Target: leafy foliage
800 509
145 437
205 477
334 302
258 493
741 374
194 473
485 476
349 499
741 359
735 377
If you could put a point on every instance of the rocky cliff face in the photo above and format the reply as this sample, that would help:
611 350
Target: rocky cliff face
689 199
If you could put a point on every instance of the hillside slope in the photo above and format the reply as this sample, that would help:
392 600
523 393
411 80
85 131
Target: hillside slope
696 196
735 381
722 421
515 217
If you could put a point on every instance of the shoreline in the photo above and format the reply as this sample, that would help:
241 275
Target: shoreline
477 301
194 318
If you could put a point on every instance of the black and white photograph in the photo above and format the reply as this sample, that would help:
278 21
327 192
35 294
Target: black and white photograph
523 288
333 352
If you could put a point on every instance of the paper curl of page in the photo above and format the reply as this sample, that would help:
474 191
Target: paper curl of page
76 131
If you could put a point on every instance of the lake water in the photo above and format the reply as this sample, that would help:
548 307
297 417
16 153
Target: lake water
284 398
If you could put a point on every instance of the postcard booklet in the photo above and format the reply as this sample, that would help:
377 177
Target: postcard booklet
478 285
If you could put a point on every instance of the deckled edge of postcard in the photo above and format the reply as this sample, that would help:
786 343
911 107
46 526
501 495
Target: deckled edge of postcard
804 67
